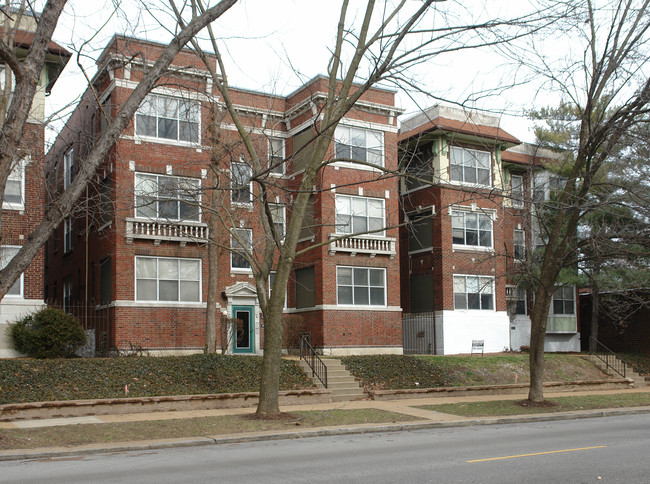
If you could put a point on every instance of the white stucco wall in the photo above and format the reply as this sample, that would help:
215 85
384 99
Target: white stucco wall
553 343
12 309
459 328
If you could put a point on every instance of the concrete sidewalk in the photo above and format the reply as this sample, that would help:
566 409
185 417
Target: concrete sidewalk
426 419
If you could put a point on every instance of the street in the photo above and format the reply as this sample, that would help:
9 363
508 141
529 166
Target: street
611 449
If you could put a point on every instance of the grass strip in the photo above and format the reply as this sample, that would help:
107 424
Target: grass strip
498 408
85 434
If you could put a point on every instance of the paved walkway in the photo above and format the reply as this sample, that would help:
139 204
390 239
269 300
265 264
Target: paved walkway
403 406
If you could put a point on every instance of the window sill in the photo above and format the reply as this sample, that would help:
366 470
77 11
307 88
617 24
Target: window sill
356 166
14 207
424 250
470 185
165 141
471 248
240 271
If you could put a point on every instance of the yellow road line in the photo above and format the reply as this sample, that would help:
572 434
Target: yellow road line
536 453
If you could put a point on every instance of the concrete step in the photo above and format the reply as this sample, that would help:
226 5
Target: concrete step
339 381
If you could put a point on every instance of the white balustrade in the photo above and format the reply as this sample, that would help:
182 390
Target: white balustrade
362 244
158 231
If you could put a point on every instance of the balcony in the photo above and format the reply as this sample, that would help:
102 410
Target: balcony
363 244
169 231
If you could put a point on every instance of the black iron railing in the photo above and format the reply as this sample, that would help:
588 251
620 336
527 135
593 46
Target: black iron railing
318 368
607 356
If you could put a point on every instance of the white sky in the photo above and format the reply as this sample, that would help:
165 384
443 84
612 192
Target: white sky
274 46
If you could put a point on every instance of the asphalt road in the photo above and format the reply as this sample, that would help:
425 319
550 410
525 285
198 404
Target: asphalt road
608 449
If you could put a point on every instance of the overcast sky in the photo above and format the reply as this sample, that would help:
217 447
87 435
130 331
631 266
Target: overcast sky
274 46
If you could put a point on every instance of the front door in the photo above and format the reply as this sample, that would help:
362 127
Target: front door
243 334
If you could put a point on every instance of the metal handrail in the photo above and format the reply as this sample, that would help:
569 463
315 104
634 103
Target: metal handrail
318 368
607 356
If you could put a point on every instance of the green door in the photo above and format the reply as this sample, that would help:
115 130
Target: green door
244 336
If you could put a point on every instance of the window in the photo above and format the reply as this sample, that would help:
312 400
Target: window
359 144
421 288
241 183
167 197
305 287
241 247
14 197
67 235
358 214
278 216
469 166
420 230
547 186
67 294
519 244
517 186
563 300
169 118
167 279
419 168
471 229
7 252
358 286
276 156
521 301
562 317
68 167
473 292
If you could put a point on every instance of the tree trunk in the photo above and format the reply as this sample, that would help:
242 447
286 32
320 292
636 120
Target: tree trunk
213 257
538 321
268 405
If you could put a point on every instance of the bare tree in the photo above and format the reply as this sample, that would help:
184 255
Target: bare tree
605 90
26 72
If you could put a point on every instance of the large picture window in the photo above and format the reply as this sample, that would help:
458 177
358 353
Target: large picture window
469 166
564 300
168 118
168 279
562 314
360 286
359 214
360 144
7 252
167 197
239 248
471 229
473 292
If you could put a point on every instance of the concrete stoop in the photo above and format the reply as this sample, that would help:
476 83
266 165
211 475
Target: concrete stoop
639 380
339 381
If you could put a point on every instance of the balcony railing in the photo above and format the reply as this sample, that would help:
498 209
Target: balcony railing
170 231
363 244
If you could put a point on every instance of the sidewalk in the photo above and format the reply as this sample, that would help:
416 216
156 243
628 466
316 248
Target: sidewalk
427 419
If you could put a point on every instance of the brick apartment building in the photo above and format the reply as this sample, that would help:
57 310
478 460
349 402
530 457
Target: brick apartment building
468 204
133 254
23 203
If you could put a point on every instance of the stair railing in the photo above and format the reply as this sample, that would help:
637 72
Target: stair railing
607 356
318 368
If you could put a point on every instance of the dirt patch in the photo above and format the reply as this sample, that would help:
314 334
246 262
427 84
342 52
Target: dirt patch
282 416
531 404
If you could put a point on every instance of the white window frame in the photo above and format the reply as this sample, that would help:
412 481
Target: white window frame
274 156
521 296
141 182
457 212
481 283
247 236
150 108
238 185
348 139
68 167
8 252
469 160
354 285
519 247
17 174
198 282
517 191
345 207
67 235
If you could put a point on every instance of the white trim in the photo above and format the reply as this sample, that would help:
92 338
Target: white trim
353 286
157 280
153 304
333 307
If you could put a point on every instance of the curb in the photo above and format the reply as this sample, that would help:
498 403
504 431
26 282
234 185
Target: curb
324 432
